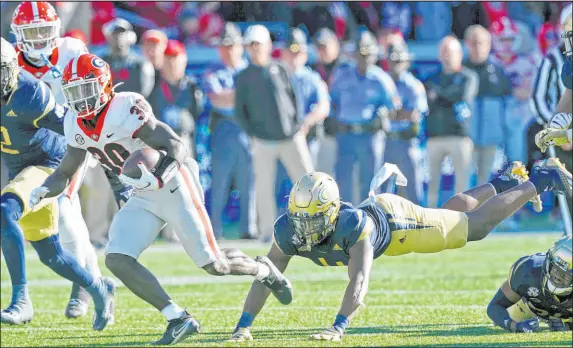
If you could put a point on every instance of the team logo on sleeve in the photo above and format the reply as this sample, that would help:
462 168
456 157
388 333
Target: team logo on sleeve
79 139
533 292
98 62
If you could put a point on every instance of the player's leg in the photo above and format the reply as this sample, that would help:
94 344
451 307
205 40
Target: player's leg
245 183
511 176
20 309
265 169
436 154
547 175
188 216
133 230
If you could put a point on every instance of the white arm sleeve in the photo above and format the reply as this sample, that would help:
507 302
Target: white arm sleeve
561 120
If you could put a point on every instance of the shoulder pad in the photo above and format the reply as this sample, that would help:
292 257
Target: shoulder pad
349 229
522 269
283 236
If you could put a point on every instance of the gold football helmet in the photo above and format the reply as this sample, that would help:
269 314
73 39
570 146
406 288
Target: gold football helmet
567 35
558 267
313 206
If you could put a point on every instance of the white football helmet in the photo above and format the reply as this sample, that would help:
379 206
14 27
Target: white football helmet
8 68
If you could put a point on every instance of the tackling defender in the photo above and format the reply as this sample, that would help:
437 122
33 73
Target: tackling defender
111 126
43 53
320 227
559 130
32 149
539 286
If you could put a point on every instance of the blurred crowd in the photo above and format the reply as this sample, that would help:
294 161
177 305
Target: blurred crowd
271 116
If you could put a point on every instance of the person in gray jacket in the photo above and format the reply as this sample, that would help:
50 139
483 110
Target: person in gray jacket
450 93
266 107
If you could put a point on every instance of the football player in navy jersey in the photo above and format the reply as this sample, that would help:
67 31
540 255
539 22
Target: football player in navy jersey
319 227
32 147
538 286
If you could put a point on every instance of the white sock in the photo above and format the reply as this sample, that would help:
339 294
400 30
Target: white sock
172 311
264 271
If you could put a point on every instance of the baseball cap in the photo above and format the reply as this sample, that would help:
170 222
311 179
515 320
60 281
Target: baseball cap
116 24
297 40
257 33
230 35
398 52
324 36
155 36
366 43
175 48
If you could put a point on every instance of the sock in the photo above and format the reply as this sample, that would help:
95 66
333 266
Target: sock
245 321
172 311
503 183
62 262
264 271
19 293
13 238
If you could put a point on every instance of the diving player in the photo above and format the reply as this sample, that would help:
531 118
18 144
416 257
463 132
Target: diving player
320 227
44 54
559 130
111 126
32 149
539 286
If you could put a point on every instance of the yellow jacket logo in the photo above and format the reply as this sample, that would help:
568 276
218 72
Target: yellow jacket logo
11 113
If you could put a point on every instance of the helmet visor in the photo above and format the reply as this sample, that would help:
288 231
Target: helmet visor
39 37
559 277
83 96
310 228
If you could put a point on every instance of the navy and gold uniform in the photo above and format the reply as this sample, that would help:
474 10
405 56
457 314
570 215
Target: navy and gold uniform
32 148
567 73
399 227
526 279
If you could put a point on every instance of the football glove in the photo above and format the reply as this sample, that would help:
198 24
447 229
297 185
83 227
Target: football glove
147 181
527 326
330 334
37 195
556 325
550 137
241 334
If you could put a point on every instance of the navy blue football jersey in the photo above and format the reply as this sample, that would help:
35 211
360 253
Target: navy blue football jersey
526 279
566 73
335 249
32 126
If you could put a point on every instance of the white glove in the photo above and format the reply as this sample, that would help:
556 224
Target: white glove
37 195
147 181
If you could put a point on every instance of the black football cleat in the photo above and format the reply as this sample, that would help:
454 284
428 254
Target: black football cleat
179 329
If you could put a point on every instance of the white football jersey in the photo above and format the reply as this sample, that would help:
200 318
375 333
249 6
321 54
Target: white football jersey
67 49
112 140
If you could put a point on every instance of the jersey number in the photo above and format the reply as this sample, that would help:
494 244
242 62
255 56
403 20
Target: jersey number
112 157
5 142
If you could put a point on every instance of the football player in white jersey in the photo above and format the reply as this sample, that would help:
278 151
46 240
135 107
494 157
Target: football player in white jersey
44 54
111 126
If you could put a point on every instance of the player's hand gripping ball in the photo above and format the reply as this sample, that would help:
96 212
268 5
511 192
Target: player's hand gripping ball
137 170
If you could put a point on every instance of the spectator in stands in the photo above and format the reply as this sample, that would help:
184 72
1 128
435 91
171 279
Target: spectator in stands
434 20
267 109
153 45
231 150
136 73
328 60
176 99
402 146
363 96
450 93
489 107
77 34
397 16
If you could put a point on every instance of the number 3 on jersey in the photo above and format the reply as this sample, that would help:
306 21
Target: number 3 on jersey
112 157
6 142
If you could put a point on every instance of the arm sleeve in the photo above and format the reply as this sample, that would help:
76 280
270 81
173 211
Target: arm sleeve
42 108
541 90
497 310
561 121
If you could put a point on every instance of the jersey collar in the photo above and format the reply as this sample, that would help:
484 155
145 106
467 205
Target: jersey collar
41 71
94 133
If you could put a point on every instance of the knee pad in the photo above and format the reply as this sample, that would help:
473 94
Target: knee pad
119 263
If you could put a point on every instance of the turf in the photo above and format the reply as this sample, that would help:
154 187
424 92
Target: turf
436 300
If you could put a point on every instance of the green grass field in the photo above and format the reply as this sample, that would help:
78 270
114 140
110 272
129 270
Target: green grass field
436 300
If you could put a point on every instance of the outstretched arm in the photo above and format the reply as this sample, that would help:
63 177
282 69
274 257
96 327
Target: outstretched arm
258 296
361 257
56 183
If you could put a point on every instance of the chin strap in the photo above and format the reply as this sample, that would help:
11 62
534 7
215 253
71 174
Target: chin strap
56 73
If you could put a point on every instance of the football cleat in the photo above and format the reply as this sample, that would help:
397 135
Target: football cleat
103 295
242 334
78 304
179 329
277 282
330 334
551 175
19 313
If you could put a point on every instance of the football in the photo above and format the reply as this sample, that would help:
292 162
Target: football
148 156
